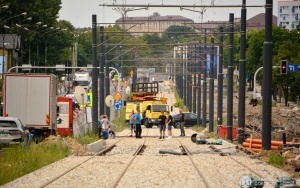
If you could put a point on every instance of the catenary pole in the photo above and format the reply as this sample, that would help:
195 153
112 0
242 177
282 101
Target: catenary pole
94 72
106 77
211 87
230 79
220 81
199 87
204 83
242 77
267 79
194 79
101 72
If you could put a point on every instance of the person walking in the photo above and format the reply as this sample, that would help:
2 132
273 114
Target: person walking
138 126
132 122
182 123
162 125
169 124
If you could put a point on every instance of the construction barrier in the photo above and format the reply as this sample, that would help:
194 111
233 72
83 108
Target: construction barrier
223 132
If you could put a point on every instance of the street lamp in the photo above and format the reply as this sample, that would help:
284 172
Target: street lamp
3 47
22 14
58 29
3 59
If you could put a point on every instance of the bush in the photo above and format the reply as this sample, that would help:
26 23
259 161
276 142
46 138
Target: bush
276 159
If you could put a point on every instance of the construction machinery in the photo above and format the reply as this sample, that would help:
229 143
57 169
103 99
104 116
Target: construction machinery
144 98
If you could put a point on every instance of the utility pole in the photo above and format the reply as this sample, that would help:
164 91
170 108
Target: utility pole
101 72
211 87
230 79
242 77
220 81
94 71
267 79
204 83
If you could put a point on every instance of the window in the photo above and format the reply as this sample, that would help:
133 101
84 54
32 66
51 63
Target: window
143 25
149 25
162 25
155 25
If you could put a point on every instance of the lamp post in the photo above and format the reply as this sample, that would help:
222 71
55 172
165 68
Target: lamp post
46 47
22 14
3 48
29 47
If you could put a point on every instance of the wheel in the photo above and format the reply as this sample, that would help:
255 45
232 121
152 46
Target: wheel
177 125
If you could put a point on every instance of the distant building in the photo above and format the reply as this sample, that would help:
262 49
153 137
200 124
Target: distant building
258 22
151 24
288 14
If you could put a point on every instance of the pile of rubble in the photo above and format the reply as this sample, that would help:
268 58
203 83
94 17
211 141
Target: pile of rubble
284 120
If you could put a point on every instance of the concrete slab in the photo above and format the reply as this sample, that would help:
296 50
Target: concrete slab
96 146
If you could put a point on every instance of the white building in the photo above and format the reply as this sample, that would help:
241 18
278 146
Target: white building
288 14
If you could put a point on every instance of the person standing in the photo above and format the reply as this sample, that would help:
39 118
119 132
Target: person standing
182 123
105 126
100 122
169 124
162 125
138 126
132 122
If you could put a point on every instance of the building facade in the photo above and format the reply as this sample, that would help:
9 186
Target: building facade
151 24
288 14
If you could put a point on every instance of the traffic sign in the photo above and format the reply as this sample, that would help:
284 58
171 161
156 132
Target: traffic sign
293 67
118 104
117 96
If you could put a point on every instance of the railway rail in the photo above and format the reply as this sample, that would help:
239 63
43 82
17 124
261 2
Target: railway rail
131 162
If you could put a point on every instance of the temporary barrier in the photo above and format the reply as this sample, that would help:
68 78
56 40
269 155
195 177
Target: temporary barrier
223 132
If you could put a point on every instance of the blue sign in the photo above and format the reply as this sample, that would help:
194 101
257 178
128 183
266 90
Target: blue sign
293 67
118 104
298 98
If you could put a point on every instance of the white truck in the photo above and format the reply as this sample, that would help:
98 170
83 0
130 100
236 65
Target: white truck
82 79
32 99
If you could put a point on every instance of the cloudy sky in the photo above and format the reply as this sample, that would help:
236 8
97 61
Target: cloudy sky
79 12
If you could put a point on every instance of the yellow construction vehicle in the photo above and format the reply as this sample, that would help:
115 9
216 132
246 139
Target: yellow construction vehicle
143 97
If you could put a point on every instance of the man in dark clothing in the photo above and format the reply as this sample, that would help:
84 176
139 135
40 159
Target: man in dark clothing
182 123
162 125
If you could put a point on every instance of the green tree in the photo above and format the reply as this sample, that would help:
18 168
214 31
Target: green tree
176 33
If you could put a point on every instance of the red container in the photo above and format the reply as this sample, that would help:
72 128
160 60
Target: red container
223 132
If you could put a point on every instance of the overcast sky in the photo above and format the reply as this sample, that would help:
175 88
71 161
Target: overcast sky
79 12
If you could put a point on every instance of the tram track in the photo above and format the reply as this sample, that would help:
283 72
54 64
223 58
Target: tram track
133 162
102 152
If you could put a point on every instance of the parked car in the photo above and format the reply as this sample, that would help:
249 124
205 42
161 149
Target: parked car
190 119
11 130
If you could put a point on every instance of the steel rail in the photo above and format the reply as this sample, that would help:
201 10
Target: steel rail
137 152
76 166
189 154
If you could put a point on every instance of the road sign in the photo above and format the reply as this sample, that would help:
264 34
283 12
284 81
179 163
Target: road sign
118 104
117 96
293 67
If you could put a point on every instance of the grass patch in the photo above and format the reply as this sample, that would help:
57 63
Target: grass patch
276 159
87 138
197 128
18 160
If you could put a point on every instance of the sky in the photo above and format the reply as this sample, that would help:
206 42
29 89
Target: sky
79 12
